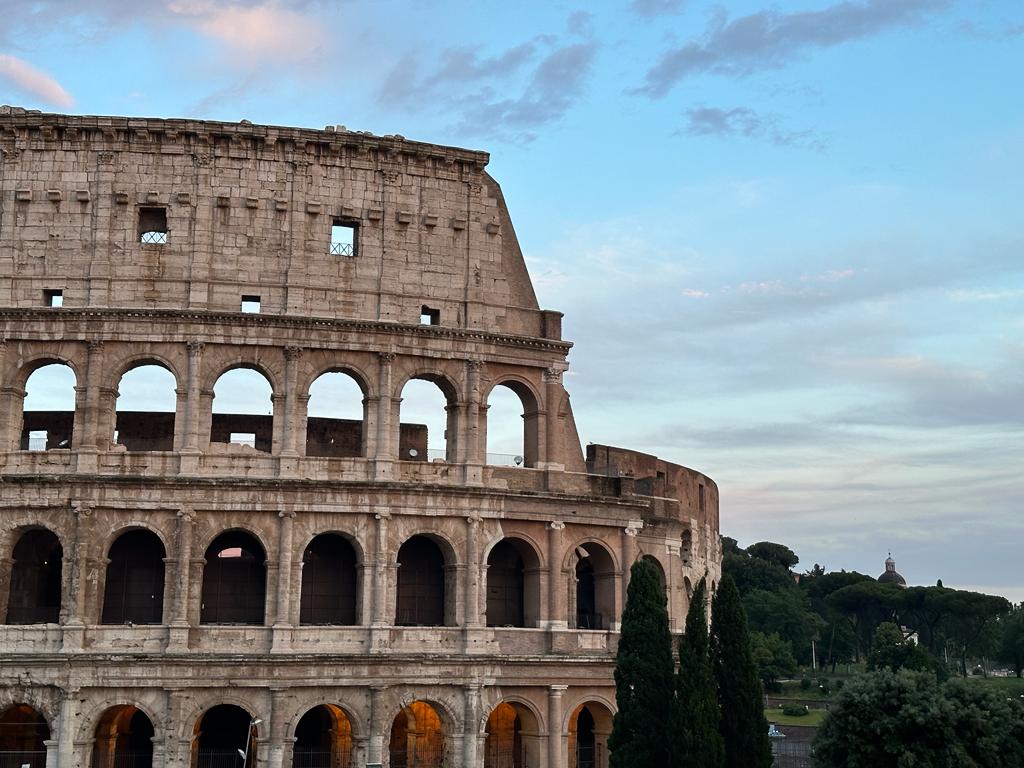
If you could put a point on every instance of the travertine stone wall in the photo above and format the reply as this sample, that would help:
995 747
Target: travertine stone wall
249 211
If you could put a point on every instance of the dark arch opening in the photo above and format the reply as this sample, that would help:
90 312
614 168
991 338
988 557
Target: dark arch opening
134 589
421 598
417 738
144 413
234 580
336 416
586 740
513 585
48 411
223 736
23 736
35 589
329 581
595 586
323 739
123 739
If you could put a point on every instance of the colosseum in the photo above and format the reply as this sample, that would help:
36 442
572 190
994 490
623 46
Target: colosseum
202 587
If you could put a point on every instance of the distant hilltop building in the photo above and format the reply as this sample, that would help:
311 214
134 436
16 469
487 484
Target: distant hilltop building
891 576
293 586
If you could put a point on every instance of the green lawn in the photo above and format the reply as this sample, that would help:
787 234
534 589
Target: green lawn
1011 686
814 718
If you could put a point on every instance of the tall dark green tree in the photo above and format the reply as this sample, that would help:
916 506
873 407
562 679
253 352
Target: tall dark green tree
644 676
697 715
742 725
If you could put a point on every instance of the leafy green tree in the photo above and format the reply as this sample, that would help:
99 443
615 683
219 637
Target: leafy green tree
972 617
752 573
786 613
906 719
644 675
865 604
838 640
773 657
1011 646
926 609
696 716
891 650
743 726
777 554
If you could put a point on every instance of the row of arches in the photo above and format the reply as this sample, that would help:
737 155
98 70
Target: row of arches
228 736
234 581
243 412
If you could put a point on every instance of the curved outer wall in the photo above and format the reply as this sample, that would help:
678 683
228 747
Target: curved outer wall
248 212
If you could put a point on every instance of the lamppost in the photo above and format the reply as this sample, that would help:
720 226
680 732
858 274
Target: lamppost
248 740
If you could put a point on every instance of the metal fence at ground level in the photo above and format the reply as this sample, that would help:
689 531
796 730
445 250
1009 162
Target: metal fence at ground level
320 758
17 759
425 756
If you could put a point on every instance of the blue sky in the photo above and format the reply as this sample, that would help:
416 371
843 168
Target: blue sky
786 236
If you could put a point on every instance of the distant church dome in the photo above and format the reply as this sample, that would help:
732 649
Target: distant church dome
891 576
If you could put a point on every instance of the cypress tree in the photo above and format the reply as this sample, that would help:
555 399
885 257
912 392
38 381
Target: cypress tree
742 724
697 715
643 676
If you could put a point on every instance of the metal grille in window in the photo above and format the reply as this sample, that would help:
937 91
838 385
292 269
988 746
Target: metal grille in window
154 238
343 249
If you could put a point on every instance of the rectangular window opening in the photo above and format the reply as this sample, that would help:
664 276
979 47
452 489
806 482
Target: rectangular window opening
251 305
700 497
243 438
53 297
429 316
37 439
153 226
344 238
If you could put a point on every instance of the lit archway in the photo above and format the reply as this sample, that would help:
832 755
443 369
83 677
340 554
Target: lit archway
595 587
336 416
146 401
234 580
48 411
133 592
123 739
23 736
225 737
514 739
243 409
329 581
417 738
513 585
323 739
589 727
35 589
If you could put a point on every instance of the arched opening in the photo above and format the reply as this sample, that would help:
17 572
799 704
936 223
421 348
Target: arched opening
243 410
225 737
146 400
513 585
134 588
513 737
35 588
417 737
589 727
234 580
336 417
23 736
48 412
512 425
656 564
595 587
427 426
323 739
421 598
123 739
329 583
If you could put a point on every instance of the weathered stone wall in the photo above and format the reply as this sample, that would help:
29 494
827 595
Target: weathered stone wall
249 210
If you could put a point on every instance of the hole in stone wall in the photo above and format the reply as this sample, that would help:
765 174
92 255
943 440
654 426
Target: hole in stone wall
251 305
344 238
53 297
429 315
153 226
146 401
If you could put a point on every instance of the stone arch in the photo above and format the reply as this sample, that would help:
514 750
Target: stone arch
44 699
331 435
234 585
588 741
418 736
152 429
514 734
259 429
44 429
24 731
323 735
135 360
513 574
350 369
29 365
303 703
426 591
594 570
415 444
531 404
124 735
90 718
223 729
330 589
216 368
36 582
133 582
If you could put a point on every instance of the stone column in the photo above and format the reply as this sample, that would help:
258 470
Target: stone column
66 729
378 728
552 429
471 610
190 436
177 635
555 748
11 401
557 618
277 744
290 418
387 443
381 561
74 627
282 624
676 618
471 726
84 435
628 548
472 443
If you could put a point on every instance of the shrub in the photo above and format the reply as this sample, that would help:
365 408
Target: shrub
805 684
795 710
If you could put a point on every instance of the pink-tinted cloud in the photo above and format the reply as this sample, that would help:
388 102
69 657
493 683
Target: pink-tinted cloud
266 30
31 81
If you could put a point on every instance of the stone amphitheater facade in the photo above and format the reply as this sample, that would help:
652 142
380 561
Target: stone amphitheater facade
172 596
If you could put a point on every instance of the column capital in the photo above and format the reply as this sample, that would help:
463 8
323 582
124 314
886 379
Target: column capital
556 525
286 514
194 347
557 690
95 345
386 357
292 353
187 514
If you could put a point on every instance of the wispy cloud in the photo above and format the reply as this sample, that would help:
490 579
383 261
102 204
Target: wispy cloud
656 7
32 82
745 122
770 39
